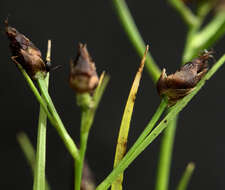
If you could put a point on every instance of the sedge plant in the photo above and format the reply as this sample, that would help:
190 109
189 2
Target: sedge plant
89 90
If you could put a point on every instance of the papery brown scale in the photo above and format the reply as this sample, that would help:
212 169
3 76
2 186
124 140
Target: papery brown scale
182 82
25 53
83 75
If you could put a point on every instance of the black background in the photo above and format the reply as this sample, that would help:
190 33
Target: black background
201 132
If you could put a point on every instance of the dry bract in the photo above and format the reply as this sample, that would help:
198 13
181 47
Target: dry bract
183 81
83 75
25 53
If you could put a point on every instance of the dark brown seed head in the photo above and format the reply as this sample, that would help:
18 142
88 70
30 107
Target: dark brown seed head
183 81
25 53
83 76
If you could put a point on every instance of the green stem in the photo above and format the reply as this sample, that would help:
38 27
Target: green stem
163 173
86 122
53 116
79 164
133 34
206 37
189 18
186 177
29 153
165 156
89 106
122 164
27 149
211 33
36 93
58 124
39 175
129 158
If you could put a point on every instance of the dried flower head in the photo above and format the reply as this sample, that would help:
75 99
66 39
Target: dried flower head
83 75
183 81
25 53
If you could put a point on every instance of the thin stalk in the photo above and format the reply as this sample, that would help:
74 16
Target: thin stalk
27 149
39 175
189 51
87 118
186 177
55 121
205 38
129 158
36 93
140 139
211 33
29 153
133 34
58 124
189 18
83 146
165 156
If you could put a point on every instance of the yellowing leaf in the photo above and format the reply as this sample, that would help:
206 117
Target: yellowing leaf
125 123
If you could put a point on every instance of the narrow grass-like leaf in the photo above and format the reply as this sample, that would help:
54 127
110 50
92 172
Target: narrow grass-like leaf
125 123
127 160
186 177
29 152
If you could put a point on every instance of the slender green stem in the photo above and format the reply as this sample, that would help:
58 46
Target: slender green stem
79 164
86 122
36 93
121 166
189 18
129 158
27 149
53 116
162 180
29 153
186 177
89 106
205 38
211 33
58 124
83 145
169 134
39 175
188 50
130 28
204 7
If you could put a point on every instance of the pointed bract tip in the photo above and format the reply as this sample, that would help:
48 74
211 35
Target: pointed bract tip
83 75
